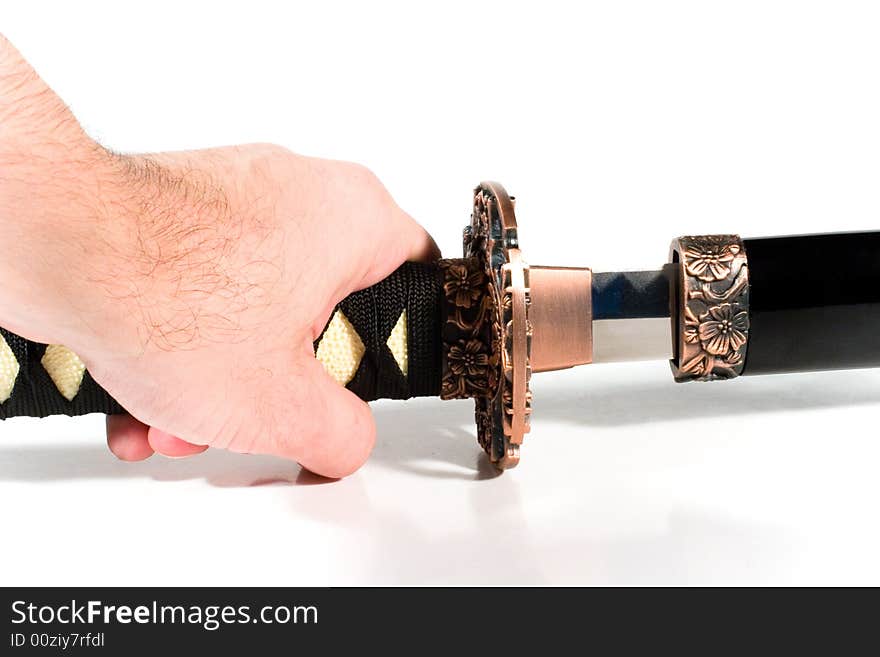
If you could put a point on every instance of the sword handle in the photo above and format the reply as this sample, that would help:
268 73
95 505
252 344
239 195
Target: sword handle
380 342
459 328
384 342
39 380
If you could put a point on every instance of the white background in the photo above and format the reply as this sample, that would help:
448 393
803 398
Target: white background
618 126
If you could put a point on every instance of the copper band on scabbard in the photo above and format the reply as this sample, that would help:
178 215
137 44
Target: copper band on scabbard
710 307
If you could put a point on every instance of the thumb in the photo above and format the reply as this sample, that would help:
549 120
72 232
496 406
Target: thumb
417 242
401 239
336 431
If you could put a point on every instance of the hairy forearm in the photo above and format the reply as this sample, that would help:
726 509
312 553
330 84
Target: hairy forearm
144 249
50 207
207 246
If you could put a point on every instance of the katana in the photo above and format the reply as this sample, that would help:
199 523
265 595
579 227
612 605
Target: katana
479 326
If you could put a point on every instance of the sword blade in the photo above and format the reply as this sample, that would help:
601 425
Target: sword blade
631 315
631 294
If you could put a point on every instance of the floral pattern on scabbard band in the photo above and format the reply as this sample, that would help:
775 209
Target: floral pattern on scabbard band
711 303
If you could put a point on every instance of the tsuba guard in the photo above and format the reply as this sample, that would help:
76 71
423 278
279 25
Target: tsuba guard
487 334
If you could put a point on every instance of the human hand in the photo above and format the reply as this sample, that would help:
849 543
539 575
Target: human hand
193 284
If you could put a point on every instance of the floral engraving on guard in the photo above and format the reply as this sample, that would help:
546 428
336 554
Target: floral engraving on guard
469 358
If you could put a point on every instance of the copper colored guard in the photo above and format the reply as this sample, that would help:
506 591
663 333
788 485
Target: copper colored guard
504 407
710 298
503 319
503 419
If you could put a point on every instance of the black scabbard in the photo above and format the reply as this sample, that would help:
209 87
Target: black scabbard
814 302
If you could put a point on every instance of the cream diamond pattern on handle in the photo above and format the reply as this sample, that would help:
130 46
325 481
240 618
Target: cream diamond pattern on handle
8 370
340 349
65 369
397 343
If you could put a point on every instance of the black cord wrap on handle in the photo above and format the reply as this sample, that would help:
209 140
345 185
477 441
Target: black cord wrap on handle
415 288
36 395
